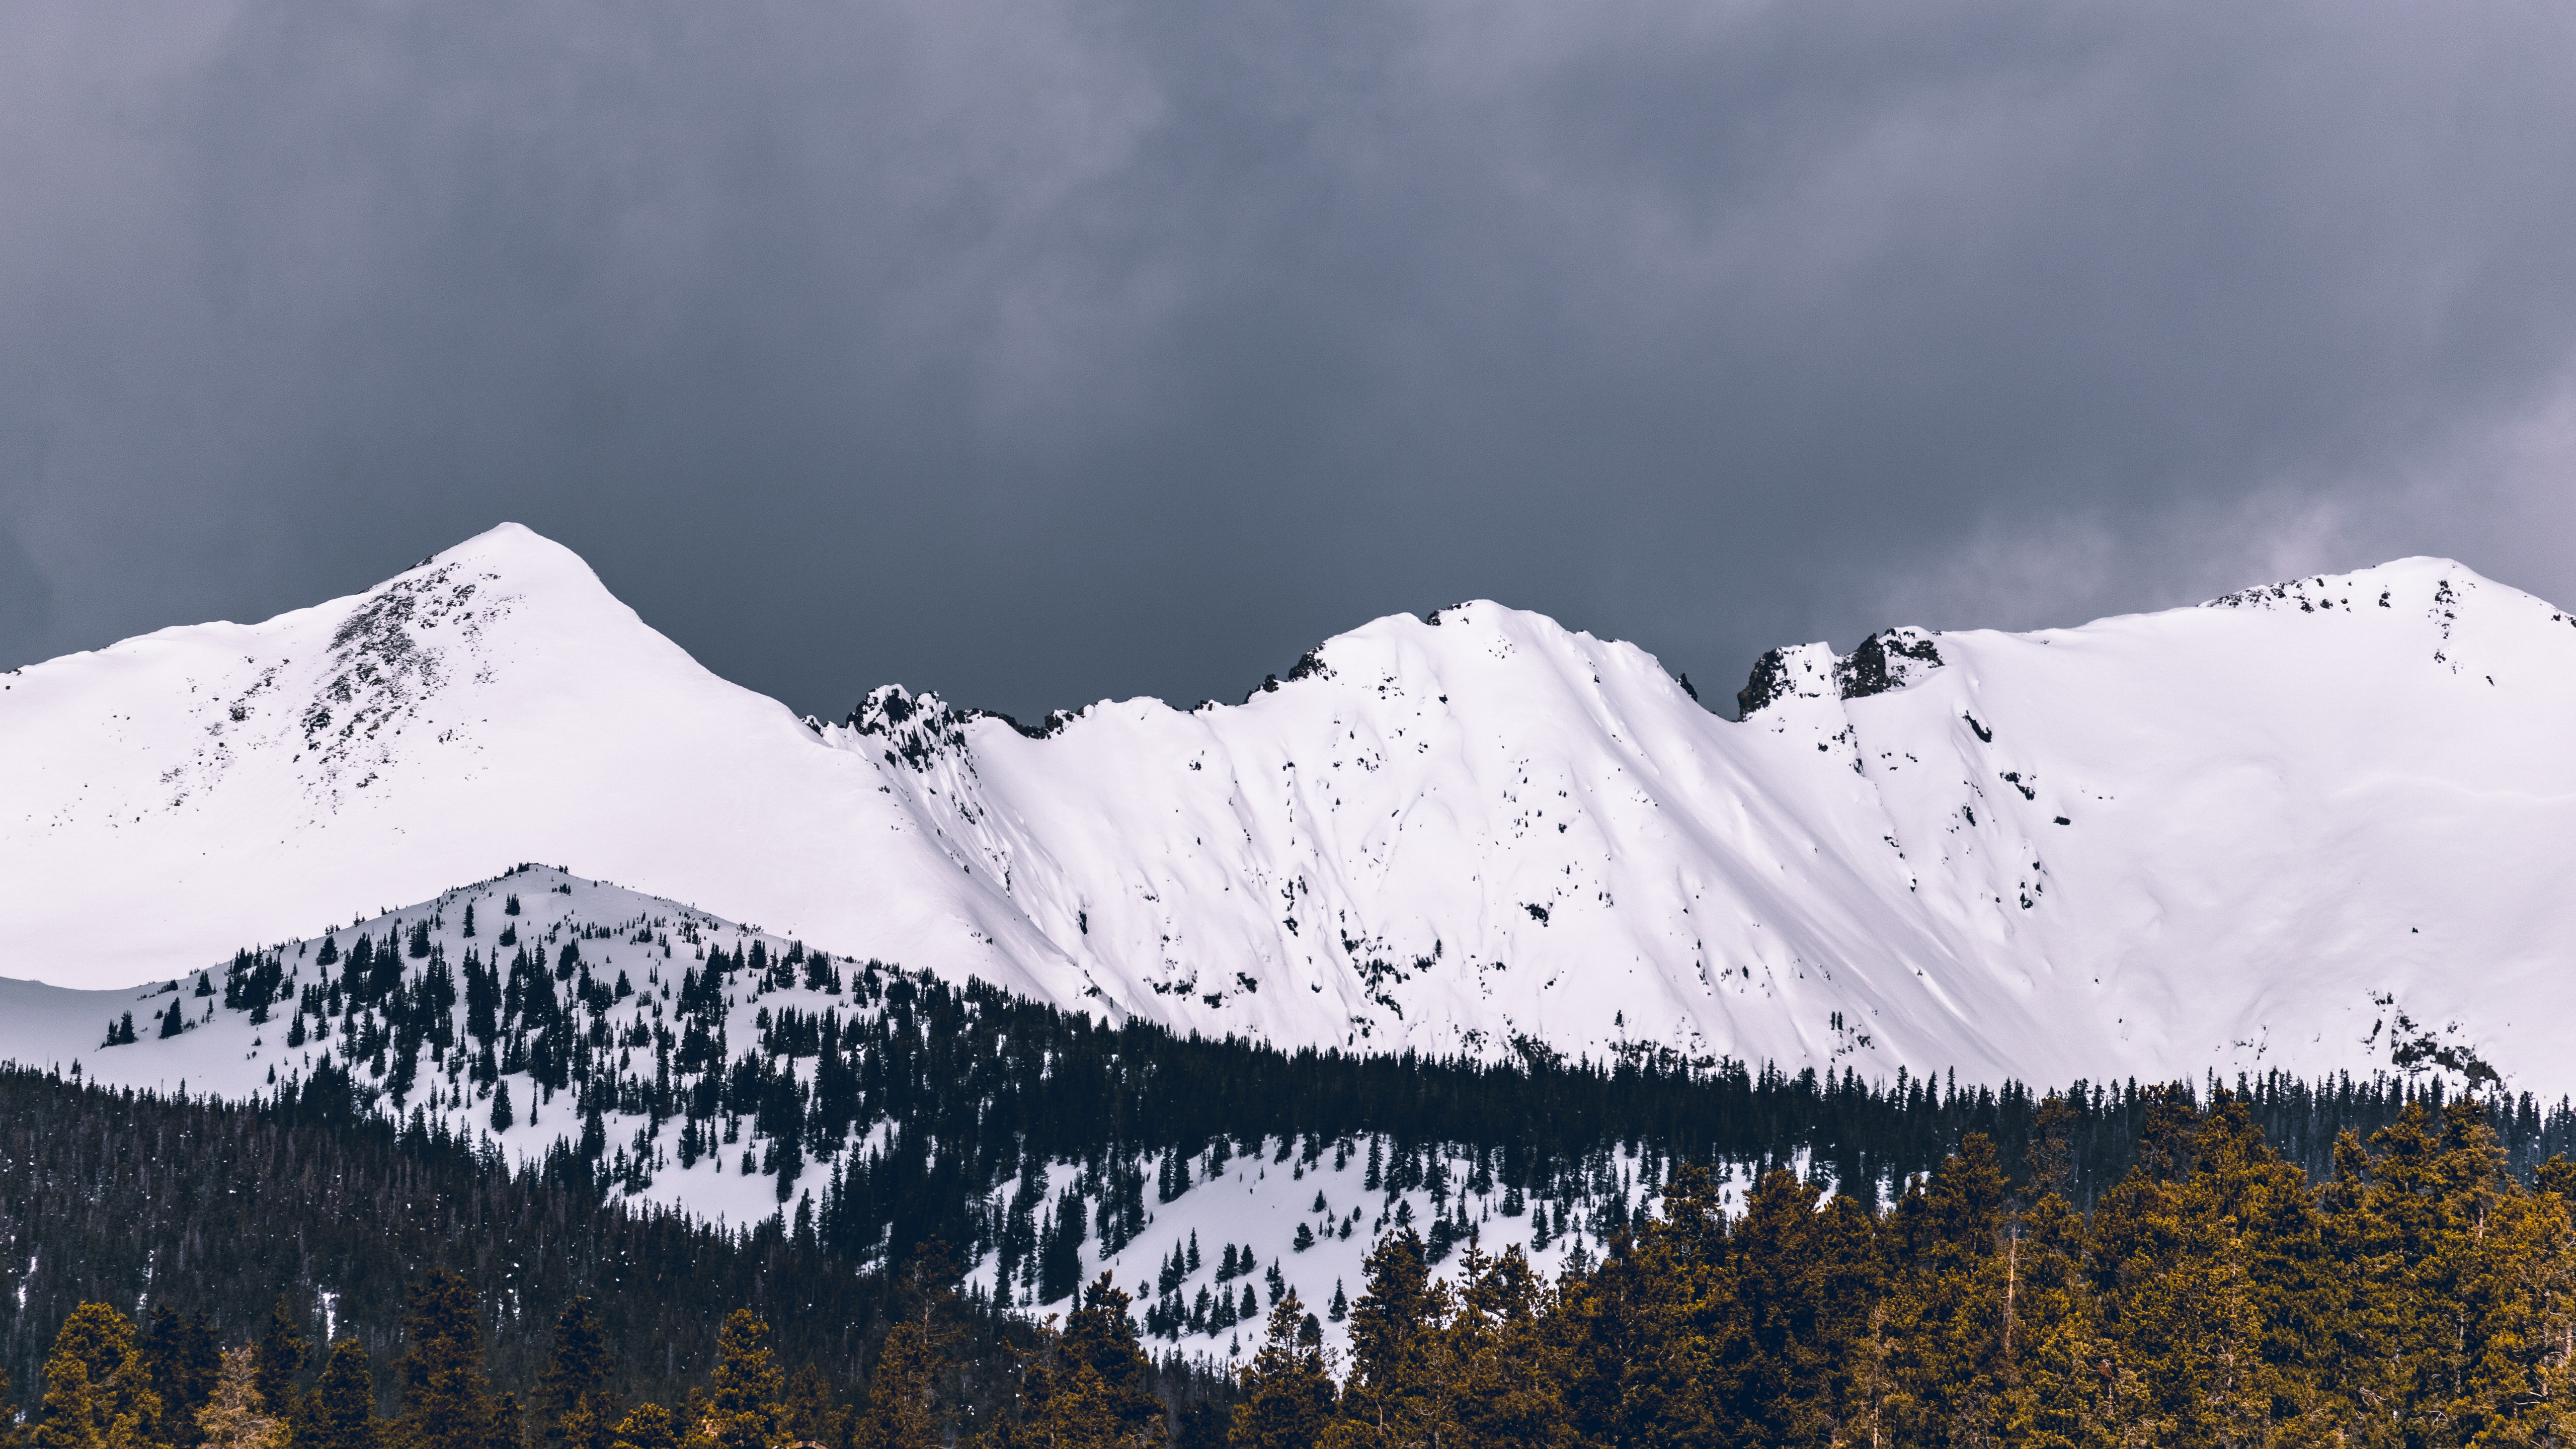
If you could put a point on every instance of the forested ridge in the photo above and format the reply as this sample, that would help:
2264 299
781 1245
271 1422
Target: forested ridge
894 1105
2421 1294
923 1140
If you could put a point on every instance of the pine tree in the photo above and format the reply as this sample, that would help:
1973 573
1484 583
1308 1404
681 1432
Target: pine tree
1802 1276
1288 1388
575 1381
1064 1405
1100 1336
742 1407
98 1394
2056 1398
1086 1388
340 1412
502 1117
903 1410
647 1426
591 1423
236 1417
1505 1370
1948 1304
1060 1250
1662 1351
1395 1395
2052 1151
507 1428
807 1414
180 1357
443 1400
280 1356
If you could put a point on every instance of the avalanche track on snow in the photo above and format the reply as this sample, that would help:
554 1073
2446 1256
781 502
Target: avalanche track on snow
2323 824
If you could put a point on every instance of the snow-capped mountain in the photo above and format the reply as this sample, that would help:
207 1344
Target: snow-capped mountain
2318 825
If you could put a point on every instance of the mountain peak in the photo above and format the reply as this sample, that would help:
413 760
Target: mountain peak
508 544
2382 586
2209 836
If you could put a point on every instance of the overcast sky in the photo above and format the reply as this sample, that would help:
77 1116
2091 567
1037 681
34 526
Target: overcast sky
1038 351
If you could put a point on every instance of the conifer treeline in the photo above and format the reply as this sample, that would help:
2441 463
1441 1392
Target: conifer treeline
2421 1296
222 1211
169 1385
900 1104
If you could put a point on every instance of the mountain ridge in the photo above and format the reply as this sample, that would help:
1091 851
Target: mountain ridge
2211 837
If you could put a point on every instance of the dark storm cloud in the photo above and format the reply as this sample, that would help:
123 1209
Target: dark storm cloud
1045 350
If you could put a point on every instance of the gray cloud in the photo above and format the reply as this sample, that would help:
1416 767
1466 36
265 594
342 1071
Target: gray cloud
1055 349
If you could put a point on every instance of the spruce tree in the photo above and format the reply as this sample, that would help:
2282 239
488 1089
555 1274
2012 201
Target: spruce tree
1287 1389
507 1428
443 1400
1060 1250
576 1374
902 1410
340 1411
280 1356
742 1401
1505 1370
807 1413
180 1356
98 1394
1102 1337
1395 1395
236 1417
646 1426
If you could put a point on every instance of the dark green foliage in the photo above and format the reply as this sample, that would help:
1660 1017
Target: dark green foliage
577 1368
180 1355
280 1357
340 1409
1060 1251
444 1399
218 1209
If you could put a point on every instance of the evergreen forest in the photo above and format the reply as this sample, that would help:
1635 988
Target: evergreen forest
2420 1293
2272 1261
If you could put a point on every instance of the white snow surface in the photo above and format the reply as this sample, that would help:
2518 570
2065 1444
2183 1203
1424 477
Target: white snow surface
2293 820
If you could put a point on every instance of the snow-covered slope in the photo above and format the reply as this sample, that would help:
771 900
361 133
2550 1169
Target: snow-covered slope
180 793
223 1046
667 1019
2319 825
